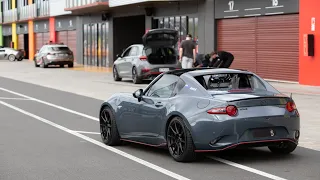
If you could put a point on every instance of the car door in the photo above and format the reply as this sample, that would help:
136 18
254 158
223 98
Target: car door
121 62
130 59
154 106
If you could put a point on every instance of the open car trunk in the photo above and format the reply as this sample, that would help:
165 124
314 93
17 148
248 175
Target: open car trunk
161 55
159 46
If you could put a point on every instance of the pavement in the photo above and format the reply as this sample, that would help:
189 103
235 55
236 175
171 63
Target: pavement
49 130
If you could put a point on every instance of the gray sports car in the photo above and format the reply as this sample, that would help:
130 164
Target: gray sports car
203 110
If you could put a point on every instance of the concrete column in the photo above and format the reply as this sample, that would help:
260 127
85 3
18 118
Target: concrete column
206 27
14 28
52 29
31 37
1 36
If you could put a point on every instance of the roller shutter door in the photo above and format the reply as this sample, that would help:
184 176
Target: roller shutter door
69 38
278 47
238 37
41 39
21 41
266 45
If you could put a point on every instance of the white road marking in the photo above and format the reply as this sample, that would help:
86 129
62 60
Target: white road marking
136 159
246 168
52 105
21 99
85 132
124 154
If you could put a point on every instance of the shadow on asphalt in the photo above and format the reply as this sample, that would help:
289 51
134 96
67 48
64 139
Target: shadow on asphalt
242 156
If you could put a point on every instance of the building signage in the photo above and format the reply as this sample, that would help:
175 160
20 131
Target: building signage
22 28
65 23
41 26
249 8
313 24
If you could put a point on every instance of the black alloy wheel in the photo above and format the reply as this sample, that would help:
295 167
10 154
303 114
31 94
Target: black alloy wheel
108 128
283 148
116 75
179 141
135 78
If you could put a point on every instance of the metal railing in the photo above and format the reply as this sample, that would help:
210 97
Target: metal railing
27 12
76 3
10 15
43 8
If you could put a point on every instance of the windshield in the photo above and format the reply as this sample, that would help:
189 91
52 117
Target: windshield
231 82
59 48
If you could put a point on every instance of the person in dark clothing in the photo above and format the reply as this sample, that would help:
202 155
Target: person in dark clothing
204 60
221 59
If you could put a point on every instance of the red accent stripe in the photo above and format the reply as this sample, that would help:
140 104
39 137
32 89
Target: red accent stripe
241 143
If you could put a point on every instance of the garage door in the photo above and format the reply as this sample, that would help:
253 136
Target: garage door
21 41
41 39
267 45
69 38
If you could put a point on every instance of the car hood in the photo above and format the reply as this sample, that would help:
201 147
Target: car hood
160 38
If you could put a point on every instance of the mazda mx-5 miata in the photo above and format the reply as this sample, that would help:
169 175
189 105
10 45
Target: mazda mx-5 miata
203 110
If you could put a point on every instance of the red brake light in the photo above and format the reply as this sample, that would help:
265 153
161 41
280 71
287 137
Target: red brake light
291 106
143 58
229 110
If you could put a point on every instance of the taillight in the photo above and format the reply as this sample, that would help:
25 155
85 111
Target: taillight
143 58
291 106
229 110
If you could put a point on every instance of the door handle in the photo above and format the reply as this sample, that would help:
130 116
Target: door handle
158 104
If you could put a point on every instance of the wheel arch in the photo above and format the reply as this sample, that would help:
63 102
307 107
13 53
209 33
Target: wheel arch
169 119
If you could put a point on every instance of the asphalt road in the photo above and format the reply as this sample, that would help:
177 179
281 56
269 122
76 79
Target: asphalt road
51 134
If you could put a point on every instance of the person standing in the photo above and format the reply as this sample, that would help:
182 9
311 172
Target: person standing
187 52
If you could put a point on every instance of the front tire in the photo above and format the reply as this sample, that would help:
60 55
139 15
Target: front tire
35 64
116 74
70 65
283 148
179 141
108 128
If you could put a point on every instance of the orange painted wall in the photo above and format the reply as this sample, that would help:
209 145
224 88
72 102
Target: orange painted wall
52 29
309 67
31 37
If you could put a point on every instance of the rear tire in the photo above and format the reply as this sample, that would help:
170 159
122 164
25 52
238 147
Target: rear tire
135 77
283 148
70 65
179 141
116 74
62 65
108 127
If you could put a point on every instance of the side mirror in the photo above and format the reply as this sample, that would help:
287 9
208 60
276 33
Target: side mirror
138 94
118 55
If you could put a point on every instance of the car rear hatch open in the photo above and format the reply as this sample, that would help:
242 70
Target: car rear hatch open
159 46
160 38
